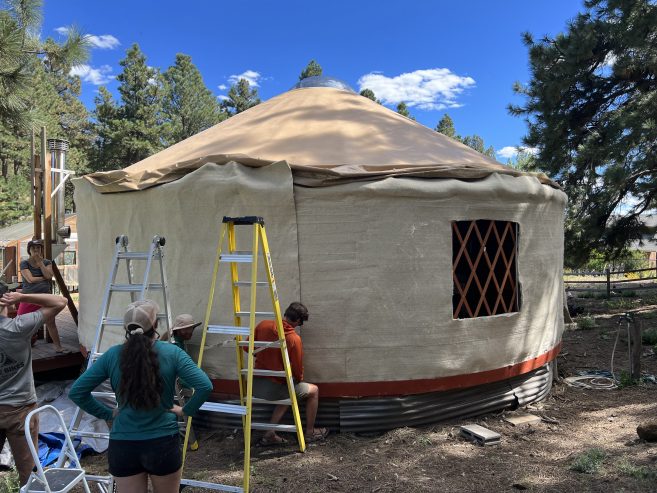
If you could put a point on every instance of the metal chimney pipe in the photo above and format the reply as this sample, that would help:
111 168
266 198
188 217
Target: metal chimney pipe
58 149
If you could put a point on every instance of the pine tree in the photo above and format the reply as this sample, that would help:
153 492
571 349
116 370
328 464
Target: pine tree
188 104
402 109
446 127
22 52
36 90
313 69
241 97
135 129
590 108
369 94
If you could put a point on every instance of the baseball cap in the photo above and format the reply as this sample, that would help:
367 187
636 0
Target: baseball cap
184 321
142 315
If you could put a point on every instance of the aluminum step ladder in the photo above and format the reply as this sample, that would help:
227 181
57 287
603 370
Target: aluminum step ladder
239 331
138 289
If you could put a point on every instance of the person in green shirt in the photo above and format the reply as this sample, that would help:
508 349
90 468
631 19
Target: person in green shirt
144 438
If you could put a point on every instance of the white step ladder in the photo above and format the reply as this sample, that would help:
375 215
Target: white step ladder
143 289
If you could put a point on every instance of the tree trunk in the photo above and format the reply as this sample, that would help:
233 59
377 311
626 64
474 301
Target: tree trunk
5 168
17 164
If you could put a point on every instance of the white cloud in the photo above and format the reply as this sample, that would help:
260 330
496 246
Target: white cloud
223 87
250 75
221 97
102 41
509 152
97 76
429 89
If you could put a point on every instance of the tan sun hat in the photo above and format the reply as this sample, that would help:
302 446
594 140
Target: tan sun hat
140 317
184 321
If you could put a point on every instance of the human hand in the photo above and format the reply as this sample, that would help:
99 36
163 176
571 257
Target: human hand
11 298
177 410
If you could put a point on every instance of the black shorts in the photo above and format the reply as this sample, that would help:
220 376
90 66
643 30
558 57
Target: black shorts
157 456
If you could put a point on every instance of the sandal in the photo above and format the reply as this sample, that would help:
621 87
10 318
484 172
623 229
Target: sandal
62 350
274 441
318 435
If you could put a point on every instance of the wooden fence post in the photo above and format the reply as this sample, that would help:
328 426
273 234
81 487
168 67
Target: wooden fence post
635 349
608 282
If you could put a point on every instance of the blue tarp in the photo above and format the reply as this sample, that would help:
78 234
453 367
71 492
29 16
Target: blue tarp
51 444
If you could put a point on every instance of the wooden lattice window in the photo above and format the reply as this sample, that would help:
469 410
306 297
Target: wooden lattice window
484 268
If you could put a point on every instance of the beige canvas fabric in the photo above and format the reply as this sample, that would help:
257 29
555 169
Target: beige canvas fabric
327 136
187 213
371 260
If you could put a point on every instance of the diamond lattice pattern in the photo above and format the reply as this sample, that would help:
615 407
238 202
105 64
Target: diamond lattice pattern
484 254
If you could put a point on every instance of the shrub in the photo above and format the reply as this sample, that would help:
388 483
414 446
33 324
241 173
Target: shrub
586 322
649 337
588 462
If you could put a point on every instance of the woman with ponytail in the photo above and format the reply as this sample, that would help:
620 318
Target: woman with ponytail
144 438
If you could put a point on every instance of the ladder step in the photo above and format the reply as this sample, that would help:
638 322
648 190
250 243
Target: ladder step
229 330
138 255
133 288
264 373
271 426
260 344
237 257
217 407
282 402
248 283
211 486
104 394
88 434
257 314
118 322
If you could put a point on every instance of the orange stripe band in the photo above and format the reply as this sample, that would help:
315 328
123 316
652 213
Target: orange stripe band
409 387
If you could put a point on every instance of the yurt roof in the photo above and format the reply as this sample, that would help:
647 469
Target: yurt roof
327 135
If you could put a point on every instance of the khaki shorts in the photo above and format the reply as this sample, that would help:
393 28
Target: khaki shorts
12 428
264 388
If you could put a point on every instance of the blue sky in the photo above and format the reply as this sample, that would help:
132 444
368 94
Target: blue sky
438 56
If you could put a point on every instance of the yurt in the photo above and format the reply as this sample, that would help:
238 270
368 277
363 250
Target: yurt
432 273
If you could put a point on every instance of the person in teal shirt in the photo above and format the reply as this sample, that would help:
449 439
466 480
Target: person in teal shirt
144 439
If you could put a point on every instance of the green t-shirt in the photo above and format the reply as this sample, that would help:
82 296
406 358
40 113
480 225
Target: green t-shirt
135 424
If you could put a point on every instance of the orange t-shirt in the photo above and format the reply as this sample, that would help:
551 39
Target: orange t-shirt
270 359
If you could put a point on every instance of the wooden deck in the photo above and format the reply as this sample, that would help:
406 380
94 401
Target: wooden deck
44 357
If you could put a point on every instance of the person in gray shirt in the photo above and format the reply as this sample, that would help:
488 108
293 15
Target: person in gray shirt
17 393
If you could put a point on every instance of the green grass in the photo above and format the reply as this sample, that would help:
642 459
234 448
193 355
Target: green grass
619 304
637 472
588 462
9 482
586 322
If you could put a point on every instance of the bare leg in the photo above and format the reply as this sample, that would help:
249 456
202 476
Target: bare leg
54 334
133 484
166 484
312 402
276 416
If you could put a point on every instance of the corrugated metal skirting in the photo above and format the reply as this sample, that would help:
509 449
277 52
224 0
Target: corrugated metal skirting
385 413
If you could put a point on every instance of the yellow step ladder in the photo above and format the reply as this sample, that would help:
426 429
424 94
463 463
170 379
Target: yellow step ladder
246 372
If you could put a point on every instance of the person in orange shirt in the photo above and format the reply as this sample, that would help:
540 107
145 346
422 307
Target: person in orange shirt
274 388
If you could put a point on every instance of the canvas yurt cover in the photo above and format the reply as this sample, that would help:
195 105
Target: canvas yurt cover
432 273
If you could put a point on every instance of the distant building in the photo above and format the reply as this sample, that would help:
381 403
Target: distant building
648 242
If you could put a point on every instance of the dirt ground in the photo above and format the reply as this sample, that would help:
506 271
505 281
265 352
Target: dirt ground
589 430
